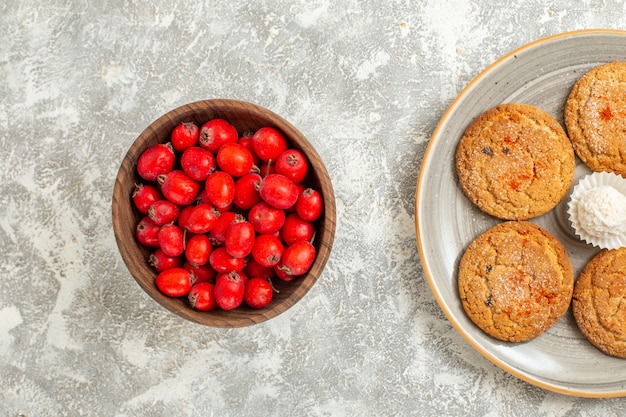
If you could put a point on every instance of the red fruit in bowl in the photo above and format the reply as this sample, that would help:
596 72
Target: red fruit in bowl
218 232
266 219
197 163
309 205
160 261
246 191
246 140
223 262
201 296
293 164
215 133
171 240
155 161
239 239
297 258
258 292
184 136
147 232
178 188
268 143
278 191
267 250
296 229
255 269
174 282
200 273
229 290
235 159
144 195
163 212
198 249
201 218
220 189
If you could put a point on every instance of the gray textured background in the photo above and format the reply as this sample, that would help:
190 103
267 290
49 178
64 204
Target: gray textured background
367 82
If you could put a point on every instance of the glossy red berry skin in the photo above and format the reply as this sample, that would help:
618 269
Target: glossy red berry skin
197 163
258 293
144 196
229 290
155 161
293 164
268 143
174 282
215 133
201 296
147 232
178 188
278 191
184 136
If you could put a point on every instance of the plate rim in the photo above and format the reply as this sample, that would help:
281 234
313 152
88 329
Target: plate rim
420 245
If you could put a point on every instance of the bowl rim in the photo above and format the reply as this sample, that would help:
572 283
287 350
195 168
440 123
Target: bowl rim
125 235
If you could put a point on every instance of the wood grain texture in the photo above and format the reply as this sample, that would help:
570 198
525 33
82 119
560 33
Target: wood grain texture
246 117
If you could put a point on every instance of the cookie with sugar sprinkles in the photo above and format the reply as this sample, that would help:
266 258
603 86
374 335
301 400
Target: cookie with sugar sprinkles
598 303
595 118
515 281
515 162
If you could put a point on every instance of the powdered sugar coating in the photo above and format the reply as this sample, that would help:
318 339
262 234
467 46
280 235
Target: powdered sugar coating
595 117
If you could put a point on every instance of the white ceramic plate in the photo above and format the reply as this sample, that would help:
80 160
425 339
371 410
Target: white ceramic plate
542 74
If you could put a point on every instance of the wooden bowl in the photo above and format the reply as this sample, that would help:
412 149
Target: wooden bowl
246 117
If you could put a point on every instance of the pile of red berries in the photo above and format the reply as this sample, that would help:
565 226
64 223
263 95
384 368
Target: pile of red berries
224 213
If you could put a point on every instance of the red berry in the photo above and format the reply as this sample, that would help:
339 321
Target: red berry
309 205
197 163
246 140
239 239
293 164
184 136
282 275
297 258
201 296
200 273
266 219
267 168
215 133
258 292
296 229
198 249
268 143
144 195
163 212
147 232
247 191
175 282
229 290
171 240
278 191
222 262
179 188
235 159
155 161
267 250
160 261
218 232
220 189
183 217
201 219
255 269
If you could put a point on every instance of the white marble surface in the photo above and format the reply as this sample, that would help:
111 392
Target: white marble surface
366 81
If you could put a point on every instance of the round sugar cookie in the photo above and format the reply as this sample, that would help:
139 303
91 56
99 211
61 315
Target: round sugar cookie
515 281
599 301
595 118
515 162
